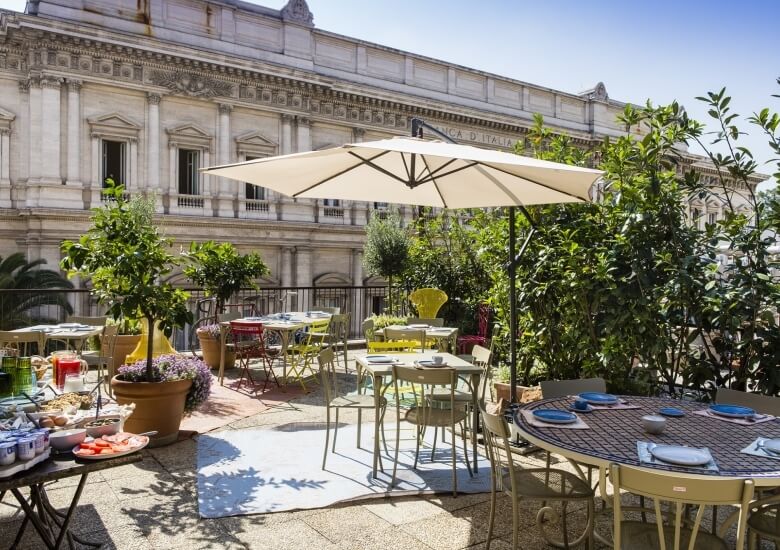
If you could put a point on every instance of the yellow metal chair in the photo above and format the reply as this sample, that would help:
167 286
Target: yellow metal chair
303 355
673 528
428 301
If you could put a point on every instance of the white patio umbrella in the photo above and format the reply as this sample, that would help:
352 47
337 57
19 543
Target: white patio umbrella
410 170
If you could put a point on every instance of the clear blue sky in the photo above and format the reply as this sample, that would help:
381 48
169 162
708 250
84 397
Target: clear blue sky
660 49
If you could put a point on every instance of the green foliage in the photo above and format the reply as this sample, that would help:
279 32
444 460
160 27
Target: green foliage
386 252
444 254
221 270
627 281
125 326
127 260
383 320
20 308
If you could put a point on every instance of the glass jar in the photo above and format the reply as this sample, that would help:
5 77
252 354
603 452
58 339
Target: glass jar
23 381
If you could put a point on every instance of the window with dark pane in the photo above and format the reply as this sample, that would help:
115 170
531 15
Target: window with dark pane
113 165
254 192
189 182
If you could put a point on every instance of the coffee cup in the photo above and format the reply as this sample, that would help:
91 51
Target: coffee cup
438 359
653 423
580 404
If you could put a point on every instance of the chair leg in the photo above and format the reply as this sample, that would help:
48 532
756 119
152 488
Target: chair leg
336 430
465 452
435 434
417 448
492 514
327 435
454 468
515 523
563 524
397 443
360 422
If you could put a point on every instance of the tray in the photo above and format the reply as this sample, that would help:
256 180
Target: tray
16 467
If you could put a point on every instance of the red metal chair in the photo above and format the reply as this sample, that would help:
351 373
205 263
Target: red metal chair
249 343
468 341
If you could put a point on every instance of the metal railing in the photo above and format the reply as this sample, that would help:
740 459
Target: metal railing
19 308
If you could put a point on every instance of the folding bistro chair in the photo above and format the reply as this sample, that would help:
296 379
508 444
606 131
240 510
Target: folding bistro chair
23 341
303 355
249 344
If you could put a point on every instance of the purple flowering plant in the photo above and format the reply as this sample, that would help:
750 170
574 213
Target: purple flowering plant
212 330
168 368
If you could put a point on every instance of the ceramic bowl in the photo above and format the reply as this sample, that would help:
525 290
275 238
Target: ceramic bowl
653 423
65 440
105 426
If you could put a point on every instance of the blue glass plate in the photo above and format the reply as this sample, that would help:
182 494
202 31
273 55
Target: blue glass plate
732 411
554 416
671 411
598 398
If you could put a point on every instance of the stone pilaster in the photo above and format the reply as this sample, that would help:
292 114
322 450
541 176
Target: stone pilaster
286 275
73 161
153 143
5 168
34 152
358 135
304 135
226 193
50 114
286 133
303 275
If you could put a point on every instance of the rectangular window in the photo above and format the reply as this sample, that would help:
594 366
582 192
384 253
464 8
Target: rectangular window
381 205
189 179
331 202
113 165
712 218
254 192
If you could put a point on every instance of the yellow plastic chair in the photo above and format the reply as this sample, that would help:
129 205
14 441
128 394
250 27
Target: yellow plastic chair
428 301
160 344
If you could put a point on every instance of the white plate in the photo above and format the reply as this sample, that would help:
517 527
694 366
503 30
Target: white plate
72 325
418 326
380 359
430 364
772 445
682 456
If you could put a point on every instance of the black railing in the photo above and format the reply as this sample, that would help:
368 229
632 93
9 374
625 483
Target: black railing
20 308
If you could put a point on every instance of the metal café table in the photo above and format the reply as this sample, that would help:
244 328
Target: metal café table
380 371
286 328
51 524
57 332
613 434
446 337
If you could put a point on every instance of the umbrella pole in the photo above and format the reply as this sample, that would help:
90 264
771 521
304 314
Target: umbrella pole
512 267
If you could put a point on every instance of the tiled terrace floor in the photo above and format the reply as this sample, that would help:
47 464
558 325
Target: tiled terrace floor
153 504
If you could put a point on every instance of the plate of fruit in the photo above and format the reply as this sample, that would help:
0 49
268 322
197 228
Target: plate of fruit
109 446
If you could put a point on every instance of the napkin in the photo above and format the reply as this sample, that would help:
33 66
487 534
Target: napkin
759 418
533 421
643 450
756 450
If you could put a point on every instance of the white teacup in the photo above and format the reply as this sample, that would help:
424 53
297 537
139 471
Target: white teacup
438 359
653 424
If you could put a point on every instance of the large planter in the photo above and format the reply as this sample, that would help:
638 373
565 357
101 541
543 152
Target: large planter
125 344
159 407
209 347
524 394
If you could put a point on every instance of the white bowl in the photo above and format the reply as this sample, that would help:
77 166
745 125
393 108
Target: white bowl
65 440
653 423
104 429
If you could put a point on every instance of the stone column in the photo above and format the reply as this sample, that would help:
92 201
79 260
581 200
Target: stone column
226 190
35 122
5 168
173 188
304 135
361 298
132 180
303 276
73 161
286 275
153 143
286 133
50 147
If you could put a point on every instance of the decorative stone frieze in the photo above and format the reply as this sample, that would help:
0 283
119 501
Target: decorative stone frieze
191 84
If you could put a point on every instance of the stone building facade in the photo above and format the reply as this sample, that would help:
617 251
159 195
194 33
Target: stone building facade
148 91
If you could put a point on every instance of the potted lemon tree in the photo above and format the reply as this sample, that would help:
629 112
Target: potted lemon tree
127 260
221 271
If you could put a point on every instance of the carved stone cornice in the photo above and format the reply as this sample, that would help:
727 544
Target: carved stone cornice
153 99
191 84
286 117
51 82
303 121
24 86
224 108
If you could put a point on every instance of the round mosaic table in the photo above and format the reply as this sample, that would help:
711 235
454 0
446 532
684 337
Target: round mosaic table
613 434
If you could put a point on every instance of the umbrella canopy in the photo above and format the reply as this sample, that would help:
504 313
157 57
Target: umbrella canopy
414 171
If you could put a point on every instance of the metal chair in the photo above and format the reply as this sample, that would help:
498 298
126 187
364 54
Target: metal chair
95 321
428 301
249 343
563 388
333 400
417 337
433 322
764 522
22 341
104 357
303 354
540 484
338 334
467 341
678 491
764 404
422 414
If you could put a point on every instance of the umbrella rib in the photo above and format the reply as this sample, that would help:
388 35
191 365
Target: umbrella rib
440 168
377 167
431 176
435 185
337 174
579 199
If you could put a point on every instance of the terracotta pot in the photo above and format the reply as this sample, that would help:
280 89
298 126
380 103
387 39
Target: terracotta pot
125 344
209 347
159 407
524 394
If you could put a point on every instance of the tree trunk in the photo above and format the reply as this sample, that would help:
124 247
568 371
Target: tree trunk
149 349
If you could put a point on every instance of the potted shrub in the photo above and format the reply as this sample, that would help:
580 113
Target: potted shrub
127 260
173 370
127 338
209 346
524 394
221 271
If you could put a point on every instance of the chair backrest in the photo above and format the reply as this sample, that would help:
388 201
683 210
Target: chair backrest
406 335
331 310
426 378
563 388
375 346
764 404
108 341
339 327
368 329
428 301
481 357
483 320
495 433
678 491
22 341
243 332
433 322
97 321
328 374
